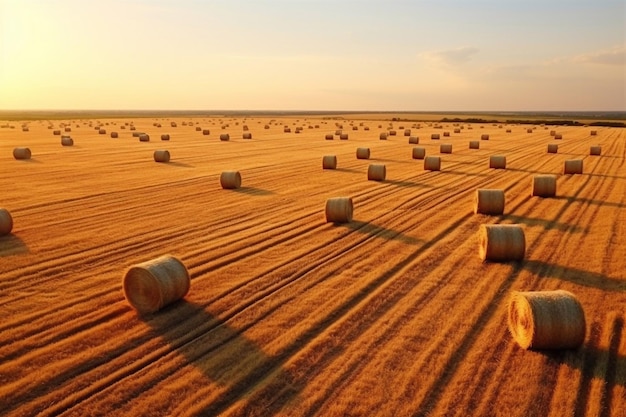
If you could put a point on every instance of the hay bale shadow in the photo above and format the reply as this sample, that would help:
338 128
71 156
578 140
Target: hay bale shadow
380 232
12 245
575 275
253 191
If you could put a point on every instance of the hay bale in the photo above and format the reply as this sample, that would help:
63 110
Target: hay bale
114 135
474 144
224 137
247 135
230 180
501 242
152 285
543 186
434 136
445 148
67 129
529 131
144 138
594 132
165 137
552 132
56 132
546 320
343 136
573 166
376 172
339 210
457 130
595 150
414 140
484 136
329 136
392 133
132 128
161 155
407 132
558 136
24 129
21 153
102 131
338 132
199 129
6 222
287 130
173 124
497 161
418 153
445 134
329 162
508 131
362 153
266 127
432 163
67 141
382 136
206 132
488 201
553 148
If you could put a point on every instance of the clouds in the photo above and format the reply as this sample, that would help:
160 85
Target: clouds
451 57
611 56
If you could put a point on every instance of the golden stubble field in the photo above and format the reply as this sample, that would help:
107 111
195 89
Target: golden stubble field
393 314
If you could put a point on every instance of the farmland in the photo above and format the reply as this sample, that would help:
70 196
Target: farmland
392 314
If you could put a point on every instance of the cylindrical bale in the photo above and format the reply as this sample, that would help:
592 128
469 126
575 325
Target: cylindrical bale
594 132
488 201
552 132
247 135
144 138
102 131
376 172
595 150
339 210
67 141
6 222
546 320
161 155
392 133
407 132
414 140
434 136
501 242
432 163
152 285
199 129
553 148
418 153
529 131
558 136
445 148
230 180
173 124
573 166
56 132
338 132
362 153
21 153
457 130
206 132
484 136
224 137
343 136
508 131
382 136
329 136
165 137
446 134
329 162
67 129
474 144
497 161
114 134
133 128
543 186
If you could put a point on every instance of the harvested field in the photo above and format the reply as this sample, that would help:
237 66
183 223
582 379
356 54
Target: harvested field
288 314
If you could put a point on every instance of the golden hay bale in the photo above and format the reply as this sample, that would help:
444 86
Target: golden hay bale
382 136
407 132
267 127
24 129
161 155
6 222
165 137
355 128
418 153
67 129
434 136
508 131
287 130
224 137
21 153
446 133
173 124
247 135
445 148
114 134
152 285
339 210
392 133
133 128
329 162
558 136
501 242
553 148
414 139
497 161
457 130
206 132
199 129
595 150
529 131
594 132
484 136
337 132
474 144
546 320
67 141
573 166
230 180
56 132
343 136
489 201
366 128
329 136
144 138
376 172
362 153
102 131
552 132
432 163
543 186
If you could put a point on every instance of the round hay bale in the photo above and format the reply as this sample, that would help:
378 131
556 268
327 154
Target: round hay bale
161 155
355 128
144 138
508 131
595 150
21 153
489 201
329 136
414 140
376 172
247 135
445 148
432 163
206 132
392 133
501 242
484 136
407 132
366 128
529 131
573 166
56 132
6 222
543 186
152 285
224 137
199 129
546 320
337 132
165 137
339 210
67 141
552 132
67 129
230 180
362 153
102 131
132 128
434 136
382 136
114 135
457 130
287 130
594 132
558 136
266 126
418 153
553 148
474 144
173 124
446 134
343 136
497 161
329 162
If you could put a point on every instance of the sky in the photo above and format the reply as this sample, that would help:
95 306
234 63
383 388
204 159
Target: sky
370 55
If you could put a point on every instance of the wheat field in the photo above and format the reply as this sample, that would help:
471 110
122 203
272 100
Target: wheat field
392 314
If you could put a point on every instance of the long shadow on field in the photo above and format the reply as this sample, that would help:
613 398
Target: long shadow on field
380 232
12 245
546 224
223 354
410 184
179 164
574 199
354 171
253 191
575 275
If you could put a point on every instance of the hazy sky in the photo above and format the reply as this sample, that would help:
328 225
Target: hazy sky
313 54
